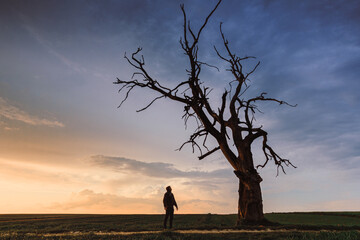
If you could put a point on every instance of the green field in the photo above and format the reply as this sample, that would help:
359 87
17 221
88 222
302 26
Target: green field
317 225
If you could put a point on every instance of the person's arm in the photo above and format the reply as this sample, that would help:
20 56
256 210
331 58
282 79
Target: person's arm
175 204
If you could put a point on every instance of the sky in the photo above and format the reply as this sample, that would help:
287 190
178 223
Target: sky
65 147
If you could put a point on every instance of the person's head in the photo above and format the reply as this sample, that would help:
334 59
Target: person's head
168 188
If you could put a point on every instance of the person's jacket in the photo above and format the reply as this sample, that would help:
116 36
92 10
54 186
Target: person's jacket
169 200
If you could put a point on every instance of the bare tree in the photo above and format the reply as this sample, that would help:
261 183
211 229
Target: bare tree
231 124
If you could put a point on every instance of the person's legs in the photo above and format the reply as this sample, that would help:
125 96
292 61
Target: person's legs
171 213
166 217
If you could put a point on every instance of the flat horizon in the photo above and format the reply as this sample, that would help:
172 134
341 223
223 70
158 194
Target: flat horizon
65 146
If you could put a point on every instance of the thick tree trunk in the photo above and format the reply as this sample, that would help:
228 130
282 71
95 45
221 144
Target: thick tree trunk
250 207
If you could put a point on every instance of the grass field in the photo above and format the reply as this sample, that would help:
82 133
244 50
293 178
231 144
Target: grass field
317 225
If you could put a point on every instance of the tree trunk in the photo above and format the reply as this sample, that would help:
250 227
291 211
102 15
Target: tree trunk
250 207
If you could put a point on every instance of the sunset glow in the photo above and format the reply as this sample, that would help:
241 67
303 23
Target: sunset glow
65 147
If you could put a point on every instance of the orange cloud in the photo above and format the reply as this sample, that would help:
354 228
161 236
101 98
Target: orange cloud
13 113
89 201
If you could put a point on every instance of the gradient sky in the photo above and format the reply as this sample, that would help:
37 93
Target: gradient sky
66 148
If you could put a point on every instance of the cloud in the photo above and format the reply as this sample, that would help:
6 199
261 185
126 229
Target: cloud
208 185
87 200
48 45
13 113
33 173
153 169
10 129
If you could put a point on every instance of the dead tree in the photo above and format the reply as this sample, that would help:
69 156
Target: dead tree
231 124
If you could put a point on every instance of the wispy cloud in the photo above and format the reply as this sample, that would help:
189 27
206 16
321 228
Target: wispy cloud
34 173
154 169
14 113
47 45
89 200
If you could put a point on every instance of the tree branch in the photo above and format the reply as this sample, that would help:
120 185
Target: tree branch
270 154
146 107
208 153
147 82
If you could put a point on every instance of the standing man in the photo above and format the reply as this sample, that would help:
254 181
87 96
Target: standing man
169 203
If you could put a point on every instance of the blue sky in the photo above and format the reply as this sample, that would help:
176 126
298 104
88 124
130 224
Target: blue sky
66 147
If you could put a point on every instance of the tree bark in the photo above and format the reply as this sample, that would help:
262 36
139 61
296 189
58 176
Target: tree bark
250 207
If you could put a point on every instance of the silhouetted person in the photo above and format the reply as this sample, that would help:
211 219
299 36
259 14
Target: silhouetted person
169 203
